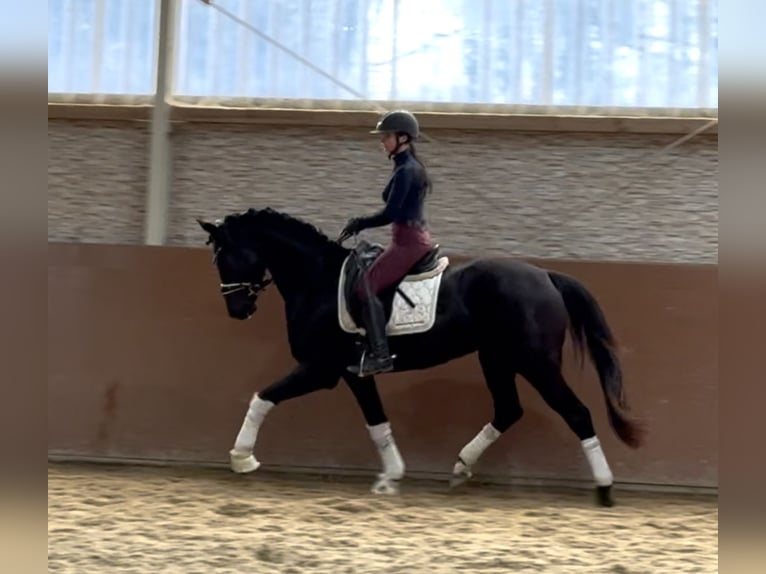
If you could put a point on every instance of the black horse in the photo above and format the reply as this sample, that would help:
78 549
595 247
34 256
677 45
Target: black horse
515 315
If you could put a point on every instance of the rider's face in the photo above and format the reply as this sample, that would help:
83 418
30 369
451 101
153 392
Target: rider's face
388 142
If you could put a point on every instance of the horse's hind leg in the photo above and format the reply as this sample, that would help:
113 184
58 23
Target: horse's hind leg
545 376
501 382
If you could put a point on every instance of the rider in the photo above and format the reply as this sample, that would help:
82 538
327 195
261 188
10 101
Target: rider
404 196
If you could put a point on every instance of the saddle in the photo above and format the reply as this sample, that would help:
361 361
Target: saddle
414 294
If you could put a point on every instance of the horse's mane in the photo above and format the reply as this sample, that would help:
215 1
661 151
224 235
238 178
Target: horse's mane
300 230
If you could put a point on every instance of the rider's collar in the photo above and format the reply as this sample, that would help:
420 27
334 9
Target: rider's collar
402 156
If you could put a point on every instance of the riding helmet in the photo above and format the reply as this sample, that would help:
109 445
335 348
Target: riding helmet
399 121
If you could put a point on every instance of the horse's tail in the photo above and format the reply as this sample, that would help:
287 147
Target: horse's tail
588 325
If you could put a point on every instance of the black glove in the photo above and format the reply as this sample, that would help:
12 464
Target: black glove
354 226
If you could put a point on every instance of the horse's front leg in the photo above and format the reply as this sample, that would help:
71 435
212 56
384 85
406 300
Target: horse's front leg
366 393
302 380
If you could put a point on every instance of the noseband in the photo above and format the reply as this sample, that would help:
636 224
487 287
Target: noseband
253 289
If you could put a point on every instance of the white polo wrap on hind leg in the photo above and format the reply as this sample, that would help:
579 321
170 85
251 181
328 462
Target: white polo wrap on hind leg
393 464
602 474
481 442
248 433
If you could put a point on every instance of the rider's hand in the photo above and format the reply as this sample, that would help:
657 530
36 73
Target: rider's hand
352 228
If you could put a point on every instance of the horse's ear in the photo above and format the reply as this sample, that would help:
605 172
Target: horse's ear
211 229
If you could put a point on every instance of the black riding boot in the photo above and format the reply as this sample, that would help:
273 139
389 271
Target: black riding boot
378 359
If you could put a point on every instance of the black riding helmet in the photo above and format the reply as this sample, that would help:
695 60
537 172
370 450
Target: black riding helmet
399 122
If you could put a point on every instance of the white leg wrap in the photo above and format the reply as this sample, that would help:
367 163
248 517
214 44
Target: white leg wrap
393 464
248 433
602 474
476 447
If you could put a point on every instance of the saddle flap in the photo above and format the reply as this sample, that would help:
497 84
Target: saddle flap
359 260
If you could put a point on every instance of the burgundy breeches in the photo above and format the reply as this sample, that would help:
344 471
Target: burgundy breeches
408 245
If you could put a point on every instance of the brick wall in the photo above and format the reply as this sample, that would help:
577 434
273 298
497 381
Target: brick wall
559 195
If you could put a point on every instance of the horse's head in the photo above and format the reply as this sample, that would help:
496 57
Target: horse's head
241 271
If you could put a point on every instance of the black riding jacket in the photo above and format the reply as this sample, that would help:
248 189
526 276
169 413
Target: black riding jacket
404 194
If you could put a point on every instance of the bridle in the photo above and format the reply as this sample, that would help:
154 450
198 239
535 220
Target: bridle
253 289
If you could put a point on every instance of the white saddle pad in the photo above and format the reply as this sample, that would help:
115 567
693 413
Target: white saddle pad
422 290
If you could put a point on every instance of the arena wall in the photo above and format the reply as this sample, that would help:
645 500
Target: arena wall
145 364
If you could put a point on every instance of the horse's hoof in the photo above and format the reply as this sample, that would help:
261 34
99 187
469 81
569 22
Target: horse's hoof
460 475
385 486
242 463
604 496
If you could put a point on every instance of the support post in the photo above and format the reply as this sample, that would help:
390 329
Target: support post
160 156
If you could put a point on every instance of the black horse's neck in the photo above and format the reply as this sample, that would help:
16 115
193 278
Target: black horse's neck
300 258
